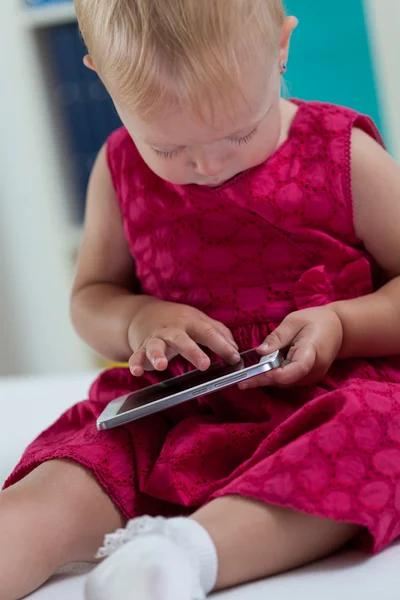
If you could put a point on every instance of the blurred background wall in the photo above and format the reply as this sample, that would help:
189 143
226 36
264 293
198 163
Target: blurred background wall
55 115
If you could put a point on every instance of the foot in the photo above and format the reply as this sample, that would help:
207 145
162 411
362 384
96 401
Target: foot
149 567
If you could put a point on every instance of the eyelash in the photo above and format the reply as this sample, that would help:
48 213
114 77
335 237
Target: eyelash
169 154
245 139
238 141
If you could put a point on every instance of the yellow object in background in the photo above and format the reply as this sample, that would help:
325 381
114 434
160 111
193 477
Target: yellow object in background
105 364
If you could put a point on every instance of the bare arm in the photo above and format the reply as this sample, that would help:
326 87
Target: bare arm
364 327
103 303
108 315
371 324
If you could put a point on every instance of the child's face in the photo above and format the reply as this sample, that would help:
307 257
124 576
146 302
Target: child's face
240 134
183 151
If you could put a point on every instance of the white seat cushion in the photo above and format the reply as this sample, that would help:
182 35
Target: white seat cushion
31 404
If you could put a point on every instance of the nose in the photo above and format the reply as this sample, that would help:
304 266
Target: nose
210 164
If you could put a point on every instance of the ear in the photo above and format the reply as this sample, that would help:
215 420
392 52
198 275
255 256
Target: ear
87 61
289 25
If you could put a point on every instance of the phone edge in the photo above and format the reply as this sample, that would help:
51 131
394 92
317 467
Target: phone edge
181 397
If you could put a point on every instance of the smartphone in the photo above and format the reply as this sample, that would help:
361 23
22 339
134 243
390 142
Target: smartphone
171 392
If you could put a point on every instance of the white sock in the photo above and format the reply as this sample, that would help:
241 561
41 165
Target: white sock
195 539
155 559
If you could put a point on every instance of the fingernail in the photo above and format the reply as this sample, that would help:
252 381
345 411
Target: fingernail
264 347
243 386
203 364
135 371
157 361
236 356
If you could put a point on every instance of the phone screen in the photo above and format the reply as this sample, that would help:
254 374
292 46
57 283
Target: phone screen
187 381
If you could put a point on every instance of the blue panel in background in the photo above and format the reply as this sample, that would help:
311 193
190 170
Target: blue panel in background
86 107
331 56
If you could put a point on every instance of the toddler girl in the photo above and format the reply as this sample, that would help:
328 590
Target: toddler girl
221 218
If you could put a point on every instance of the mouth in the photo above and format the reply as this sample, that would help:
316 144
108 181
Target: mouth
215 183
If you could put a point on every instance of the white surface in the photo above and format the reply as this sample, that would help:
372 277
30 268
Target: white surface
35 194
29 405
383 18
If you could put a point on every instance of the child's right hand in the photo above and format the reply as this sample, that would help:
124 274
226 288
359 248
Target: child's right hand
161 330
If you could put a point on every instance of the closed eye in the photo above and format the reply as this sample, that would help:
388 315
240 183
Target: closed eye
244 139
167 153
239 141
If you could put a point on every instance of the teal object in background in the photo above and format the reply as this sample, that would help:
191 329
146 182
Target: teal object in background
331 55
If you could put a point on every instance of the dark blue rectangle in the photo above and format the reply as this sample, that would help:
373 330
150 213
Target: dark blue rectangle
86 107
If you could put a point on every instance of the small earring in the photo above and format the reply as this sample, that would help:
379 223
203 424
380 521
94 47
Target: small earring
283 67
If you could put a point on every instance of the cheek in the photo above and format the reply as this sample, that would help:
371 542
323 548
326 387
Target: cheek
254 153
267 140
171 170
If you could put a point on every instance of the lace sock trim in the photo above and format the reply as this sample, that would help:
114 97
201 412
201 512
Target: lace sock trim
152 526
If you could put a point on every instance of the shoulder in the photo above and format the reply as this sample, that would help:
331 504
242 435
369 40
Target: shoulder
118 141
373 170
375 186
121 157
324 115
334 120
365 147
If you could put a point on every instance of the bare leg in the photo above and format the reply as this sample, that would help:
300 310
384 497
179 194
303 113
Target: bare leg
255 540
56 515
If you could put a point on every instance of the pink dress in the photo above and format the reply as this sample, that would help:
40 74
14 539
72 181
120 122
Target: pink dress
274 239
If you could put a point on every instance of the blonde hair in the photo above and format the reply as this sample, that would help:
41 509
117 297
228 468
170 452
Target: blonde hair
152 53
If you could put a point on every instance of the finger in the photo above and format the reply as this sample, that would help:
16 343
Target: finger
266 379
184 345
207 335
136 362
292 373
301 365
290 354
225 331
297 369
281 337
156 353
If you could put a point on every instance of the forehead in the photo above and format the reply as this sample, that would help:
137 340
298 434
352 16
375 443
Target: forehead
230 115
180 129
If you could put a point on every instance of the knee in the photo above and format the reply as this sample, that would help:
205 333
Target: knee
14 510
29 522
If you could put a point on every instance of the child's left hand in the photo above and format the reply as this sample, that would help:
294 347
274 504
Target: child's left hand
313 336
